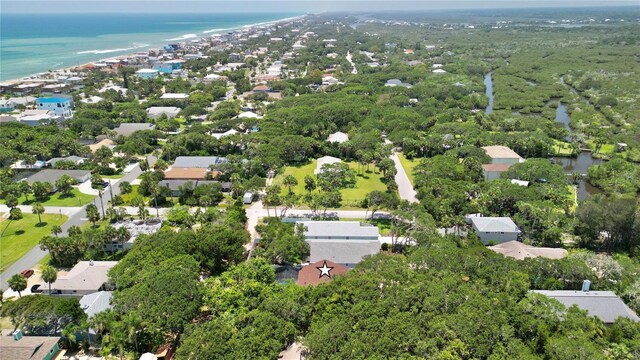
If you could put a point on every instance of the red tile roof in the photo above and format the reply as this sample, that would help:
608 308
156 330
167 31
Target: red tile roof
312 274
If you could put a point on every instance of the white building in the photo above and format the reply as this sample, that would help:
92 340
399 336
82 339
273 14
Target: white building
343 242
7 105
502 155
155 112
324 161
147 73
501 160
338 137
498 229
60 106
174 96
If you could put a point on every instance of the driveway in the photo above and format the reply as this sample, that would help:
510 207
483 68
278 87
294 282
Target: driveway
405 188
86 188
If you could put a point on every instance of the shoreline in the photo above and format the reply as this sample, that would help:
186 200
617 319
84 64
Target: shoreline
201 34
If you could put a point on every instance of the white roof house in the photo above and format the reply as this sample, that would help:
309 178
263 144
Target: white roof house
338 137
226 133
212 77
499 229
174 96
92 100
115 88
397 82
325 160
157 111
343 242
96 302
605 305
203 162
439 71
248 115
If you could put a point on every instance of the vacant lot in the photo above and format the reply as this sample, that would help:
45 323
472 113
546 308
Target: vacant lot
351 197
20 236
76 198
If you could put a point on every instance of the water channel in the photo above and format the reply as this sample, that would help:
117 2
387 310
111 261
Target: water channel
580 164
488 83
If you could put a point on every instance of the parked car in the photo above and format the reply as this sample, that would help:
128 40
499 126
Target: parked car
26 273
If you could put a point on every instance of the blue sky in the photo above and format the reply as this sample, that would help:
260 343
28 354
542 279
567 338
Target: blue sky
57 6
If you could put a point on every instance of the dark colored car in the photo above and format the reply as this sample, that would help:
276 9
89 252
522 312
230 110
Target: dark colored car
26 273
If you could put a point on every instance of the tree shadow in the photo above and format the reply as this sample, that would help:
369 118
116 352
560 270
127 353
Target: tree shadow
19 232
66 196
42 224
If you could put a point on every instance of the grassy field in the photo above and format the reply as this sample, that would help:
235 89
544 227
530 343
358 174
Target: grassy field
408 166
134 192
76 198
22 235
561 148
351 197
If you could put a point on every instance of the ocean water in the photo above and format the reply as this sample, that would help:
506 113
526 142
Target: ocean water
32 43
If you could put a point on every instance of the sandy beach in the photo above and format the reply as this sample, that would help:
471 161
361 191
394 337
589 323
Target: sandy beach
204 34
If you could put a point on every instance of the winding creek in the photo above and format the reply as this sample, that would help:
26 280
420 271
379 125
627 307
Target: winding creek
488 84
580 164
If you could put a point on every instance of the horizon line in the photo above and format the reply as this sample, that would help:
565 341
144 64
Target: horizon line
311 12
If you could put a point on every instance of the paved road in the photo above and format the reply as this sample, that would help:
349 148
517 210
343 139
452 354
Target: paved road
77 217
404 185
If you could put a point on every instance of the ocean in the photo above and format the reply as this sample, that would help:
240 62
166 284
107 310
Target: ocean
32 43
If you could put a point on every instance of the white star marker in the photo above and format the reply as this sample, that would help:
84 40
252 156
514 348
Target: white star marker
324 270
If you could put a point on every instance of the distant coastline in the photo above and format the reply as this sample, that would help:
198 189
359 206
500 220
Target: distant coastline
17 66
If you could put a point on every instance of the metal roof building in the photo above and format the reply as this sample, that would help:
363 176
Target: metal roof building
343 242
606 305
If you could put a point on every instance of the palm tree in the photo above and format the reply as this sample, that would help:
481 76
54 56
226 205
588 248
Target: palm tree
133 324
38 209
56 230
290 181
17 283
49 275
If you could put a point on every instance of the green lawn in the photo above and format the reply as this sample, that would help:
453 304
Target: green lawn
561 148
22 235
351 197
76 198
116 176
134 192
408 166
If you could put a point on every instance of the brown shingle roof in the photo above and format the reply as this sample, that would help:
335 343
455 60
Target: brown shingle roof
181 173
27 348
496 167
500 152
311 274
